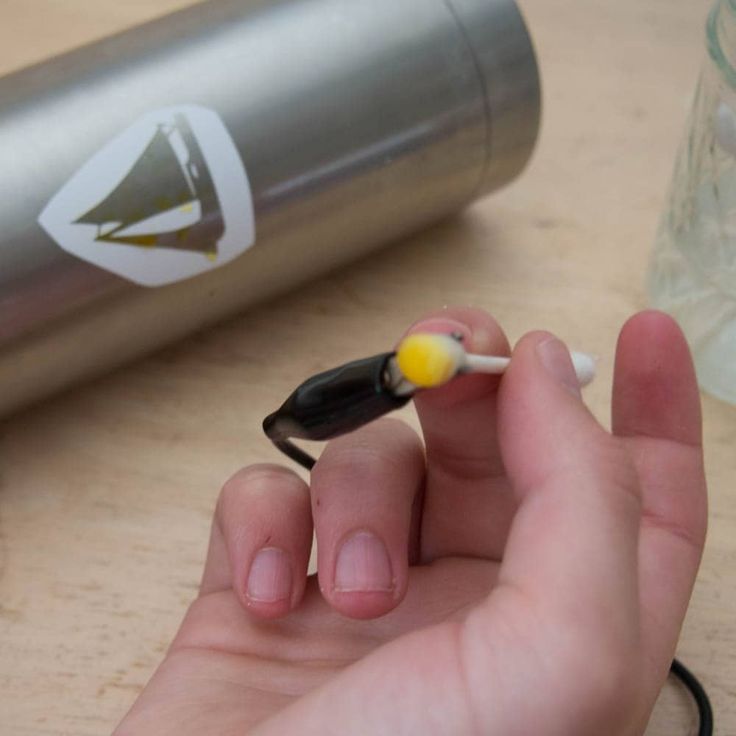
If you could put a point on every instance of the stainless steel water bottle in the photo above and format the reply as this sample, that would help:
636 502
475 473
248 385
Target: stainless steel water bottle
165 177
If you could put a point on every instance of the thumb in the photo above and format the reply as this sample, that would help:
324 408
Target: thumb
573 542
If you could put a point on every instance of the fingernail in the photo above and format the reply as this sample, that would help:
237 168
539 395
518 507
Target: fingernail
443 326
555 358
476 340
269 580
363 565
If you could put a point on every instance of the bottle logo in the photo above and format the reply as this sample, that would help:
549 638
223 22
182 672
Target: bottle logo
165 200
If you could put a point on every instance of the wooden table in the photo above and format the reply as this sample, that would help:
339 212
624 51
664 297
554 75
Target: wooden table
106 492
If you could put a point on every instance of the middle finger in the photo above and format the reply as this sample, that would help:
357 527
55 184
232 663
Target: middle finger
364 489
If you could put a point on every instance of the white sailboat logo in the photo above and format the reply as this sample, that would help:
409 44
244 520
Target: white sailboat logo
165 200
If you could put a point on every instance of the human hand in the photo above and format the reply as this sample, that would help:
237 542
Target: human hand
530 577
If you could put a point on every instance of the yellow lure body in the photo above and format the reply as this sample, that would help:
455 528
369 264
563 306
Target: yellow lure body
429 360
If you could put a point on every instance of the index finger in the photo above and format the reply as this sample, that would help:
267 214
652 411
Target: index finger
467 507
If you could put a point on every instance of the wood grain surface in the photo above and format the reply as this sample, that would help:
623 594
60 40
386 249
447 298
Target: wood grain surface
106 492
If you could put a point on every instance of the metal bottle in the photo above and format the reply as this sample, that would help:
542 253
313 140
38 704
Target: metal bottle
354 123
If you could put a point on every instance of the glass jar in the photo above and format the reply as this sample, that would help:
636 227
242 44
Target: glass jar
693 270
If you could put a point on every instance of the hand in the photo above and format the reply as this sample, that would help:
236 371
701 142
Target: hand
530 577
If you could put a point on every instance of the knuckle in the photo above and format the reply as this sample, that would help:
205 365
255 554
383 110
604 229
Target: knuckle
611 462
257 481
386 436
383 450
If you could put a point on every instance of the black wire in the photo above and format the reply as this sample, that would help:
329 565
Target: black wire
295 453
705 711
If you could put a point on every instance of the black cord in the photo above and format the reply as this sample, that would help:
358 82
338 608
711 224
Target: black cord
705 711
295 453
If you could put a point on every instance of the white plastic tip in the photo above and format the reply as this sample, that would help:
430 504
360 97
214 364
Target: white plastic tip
585 366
